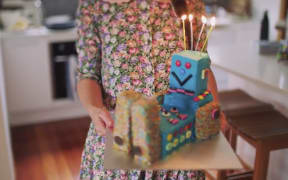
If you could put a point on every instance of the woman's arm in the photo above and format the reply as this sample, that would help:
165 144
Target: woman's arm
89 67
90 95
89 92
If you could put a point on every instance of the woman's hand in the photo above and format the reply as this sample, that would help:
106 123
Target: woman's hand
90 95
101 119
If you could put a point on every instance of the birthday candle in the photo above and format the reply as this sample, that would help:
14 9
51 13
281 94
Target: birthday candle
184 33
212 23
191 29
204 21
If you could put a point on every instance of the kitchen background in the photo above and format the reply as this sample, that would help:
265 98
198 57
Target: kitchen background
38 60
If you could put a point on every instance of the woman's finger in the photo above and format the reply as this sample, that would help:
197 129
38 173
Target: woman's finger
106 117
99 126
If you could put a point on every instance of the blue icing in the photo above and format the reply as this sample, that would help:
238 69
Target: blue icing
167 128
178 100
187 74
189 79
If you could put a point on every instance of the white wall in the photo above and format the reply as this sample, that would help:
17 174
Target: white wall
6 160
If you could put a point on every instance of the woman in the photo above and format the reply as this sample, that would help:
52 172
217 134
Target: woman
123 45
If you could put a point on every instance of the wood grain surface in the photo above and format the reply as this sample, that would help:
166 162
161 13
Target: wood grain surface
49 151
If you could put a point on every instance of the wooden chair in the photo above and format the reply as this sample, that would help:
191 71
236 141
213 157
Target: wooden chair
266 131
237 103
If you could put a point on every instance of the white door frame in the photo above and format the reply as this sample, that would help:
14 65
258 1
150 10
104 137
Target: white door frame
6 157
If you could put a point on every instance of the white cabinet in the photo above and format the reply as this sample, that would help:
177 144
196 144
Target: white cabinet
27 73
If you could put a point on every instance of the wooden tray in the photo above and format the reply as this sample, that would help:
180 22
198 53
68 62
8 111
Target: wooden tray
214 154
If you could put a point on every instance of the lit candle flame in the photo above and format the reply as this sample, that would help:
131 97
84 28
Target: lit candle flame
190 17
212 23
204 19
183 17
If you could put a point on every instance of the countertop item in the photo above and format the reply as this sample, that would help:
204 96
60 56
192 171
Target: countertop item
235 49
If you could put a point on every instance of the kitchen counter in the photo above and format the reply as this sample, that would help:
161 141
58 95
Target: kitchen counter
41 32
234 48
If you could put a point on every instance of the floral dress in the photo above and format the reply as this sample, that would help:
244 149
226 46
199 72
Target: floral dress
128 46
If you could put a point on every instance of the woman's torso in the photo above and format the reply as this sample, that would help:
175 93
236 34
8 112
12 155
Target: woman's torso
137 40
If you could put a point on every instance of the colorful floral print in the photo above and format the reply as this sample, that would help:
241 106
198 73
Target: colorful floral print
128 46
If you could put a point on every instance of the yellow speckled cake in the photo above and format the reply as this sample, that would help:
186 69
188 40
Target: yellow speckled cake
122 124
145 130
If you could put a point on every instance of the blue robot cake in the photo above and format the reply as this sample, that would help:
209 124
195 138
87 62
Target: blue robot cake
162 124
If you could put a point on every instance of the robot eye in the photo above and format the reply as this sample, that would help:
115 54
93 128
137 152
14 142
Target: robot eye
165 113
174 110
188 65
178 63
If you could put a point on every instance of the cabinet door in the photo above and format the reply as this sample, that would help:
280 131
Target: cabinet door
27 73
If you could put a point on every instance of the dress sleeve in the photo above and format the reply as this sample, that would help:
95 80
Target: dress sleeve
88 43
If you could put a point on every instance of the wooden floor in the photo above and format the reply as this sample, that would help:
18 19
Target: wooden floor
50 151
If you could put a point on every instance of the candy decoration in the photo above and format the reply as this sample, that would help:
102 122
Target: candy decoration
137 151
190 125
182 116
188 65
175 142
118 140
174 110
166 114
178 63
173 121
169 137
188 134
169 146
203 74
175 134
215 114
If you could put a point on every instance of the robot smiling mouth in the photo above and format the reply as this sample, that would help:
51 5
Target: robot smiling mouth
182 83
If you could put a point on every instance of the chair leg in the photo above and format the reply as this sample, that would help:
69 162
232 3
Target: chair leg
221 175
261 162
233 139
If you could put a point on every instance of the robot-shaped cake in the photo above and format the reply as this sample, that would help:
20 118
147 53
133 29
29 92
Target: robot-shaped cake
151 128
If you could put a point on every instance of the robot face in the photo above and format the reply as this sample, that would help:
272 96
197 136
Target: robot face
183 73
189 74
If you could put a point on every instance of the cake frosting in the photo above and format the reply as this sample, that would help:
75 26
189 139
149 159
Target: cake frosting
150 129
